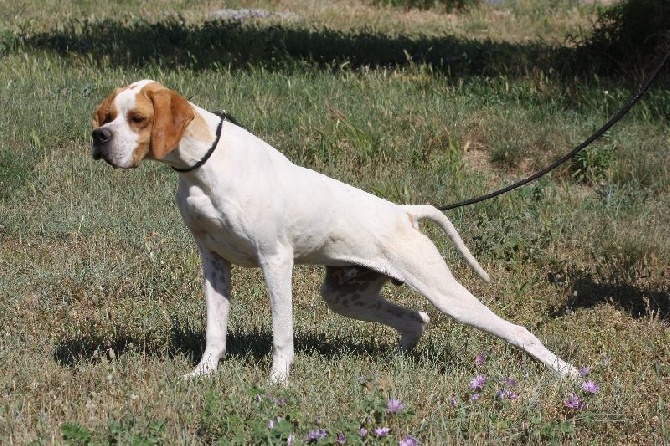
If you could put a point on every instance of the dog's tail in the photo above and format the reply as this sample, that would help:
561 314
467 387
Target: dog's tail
427 212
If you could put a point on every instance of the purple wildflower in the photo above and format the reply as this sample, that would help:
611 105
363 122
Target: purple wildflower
382 431
584 371
409 441
510 382
590 387
363 432
474 396
480 358
340 438
573 402
394 406
478 382
507 393
290 440
317 434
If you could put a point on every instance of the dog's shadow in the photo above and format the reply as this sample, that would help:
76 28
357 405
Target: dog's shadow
253 345
640 301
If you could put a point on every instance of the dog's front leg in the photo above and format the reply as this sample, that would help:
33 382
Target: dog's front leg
216 271
277 270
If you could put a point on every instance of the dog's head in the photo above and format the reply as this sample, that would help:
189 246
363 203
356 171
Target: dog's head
142 120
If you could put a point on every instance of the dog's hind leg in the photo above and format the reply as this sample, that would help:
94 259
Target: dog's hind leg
426 212
423 269
354 291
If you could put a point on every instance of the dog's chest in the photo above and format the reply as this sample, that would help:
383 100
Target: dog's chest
216 230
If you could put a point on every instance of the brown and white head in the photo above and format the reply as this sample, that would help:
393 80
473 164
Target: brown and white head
142 120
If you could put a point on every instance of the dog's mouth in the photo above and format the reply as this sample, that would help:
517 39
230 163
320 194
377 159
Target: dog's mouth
102 138
98 154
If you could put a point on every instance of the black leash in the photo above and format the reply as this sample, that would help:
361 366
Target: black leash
224 117
616 118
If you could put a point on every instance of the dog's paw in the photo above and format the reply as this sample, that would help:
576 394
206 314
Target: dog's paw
201 370
565 369
279 378
568 371
411 337
425 320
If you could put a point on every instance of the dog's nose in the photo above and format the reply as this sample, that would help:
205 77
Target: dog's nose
101 136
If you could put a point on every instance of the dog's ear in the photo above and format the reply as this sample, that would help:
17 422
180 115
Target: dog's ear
172 114
105 113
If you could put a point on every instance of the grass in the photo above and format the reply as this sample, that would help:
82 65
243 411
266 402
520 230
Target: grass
100 297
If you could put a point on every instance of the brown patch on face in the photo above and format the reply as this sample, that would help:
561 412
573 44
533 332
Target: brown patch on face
106 111
160 118
139 120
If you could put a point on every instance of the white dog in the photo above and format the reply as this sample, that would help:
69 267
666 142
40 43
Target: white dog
247 204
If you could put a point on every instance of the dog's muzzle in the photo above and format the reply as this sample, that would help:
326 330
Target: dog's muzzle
101 138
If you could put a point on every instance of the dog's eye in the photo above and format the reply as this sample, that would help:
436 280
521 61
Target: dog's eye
107 119
137 119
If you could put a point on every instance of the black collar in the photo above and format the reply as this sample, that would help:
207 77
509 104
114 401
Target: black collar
203 160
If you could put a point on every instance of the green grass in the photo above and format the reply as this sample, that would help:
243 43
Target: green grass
101 306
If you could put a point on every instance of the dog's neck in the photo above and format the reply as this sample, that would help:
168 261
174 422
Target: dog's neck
198 138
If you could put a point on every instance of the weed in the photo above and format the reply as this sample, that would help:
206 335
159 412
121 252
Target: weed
76 434
593 165
8 41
